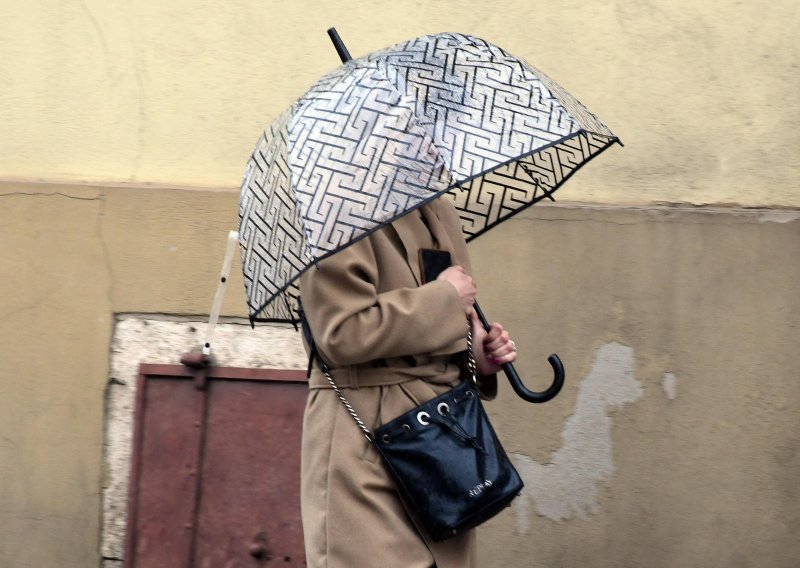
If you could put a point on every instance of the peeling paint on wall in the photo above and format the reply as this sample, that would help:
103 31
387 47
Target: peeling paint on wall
567 485
777 216
670 385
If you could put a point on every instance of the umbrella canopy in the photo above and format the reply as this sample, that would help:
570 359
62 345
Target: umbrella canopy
386 133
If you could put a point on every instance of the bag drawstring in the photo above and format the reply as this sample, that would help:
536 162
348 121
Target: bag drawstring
449 422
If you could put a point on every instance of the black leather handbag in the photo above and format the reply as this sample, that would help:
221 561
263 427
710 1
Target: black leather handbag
450 469
449 466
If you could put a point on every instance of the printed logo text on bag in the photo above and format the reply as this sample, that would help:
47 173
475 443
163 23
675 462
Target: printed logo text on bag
478 489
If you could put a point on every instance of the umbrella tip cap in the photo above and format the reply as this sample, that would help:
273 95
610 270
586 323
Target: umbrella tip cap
344 55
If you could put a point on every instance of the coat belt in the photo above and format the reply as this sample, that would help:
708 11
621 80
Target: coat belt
353 377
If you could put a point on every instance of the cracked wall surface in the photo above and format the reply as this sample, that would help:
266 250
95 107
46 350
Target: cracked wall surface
673 443
54 321
697 306
73 256
125 127
179 92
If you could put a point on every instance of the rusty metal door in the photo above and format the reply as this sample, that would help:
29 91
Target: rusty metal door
216 468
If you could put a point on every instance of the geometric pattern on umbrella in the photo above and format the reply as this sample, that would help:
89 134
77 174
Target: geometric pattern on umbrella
388 132
496 196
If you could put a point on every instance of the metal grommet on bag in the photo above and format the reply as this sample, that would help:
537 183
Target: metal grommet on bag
469 394
407 427
386 438
422 418
443 409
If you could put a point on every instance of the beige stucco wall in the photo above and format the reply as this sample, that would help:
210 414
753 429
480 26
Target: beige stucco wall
125 127
702 93
673 443
72 258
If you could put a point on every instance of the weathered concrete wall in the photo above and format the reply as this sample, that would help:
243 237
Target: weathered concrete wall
55 318
72 258
702 93
673 443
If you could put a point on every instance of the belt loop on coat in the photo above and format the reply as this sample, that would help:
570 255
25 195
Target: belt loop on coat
352 376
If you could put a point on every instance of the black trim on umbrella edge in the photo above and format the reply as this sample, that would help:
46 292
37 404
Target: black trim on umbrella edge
548 193
294 321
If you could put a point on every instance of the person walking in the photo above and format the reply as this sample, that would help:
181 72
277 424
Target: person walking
393 342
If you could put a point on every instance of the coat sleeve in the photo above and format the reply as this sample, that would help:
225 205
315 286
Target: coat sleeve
353 323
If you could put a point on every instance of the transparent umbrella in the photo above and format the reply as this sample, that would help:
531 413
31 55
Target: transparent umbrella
441 115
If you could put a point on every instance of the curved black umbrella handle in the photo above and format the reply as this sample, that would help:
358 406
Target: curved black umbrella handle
513 377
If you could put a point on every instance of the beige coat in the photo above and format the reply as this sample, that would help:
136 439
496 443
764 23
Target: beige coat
390 343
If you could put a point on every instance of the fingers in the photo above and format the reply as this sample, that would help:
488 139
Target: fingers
498 345
495 337
450 272
476 324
